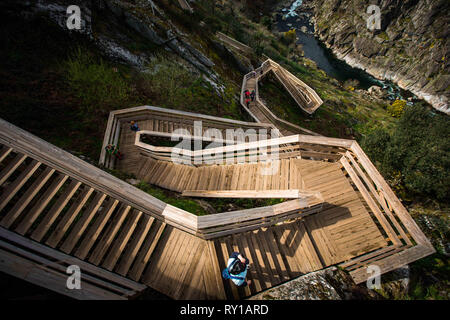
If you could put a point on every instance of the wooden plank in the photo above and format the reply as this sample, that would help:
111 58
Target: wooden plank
25 199
68 218
96 229
278 260
373 206
146 252
11 167
254 271
260 263
377 197
55 210
175 264
4 152
43 201
290 263
10 191
238 247
226 250
50 279
81 225
268 256
60 266
166 247
87 268
190 279
105 242
121 241
137 241
216 273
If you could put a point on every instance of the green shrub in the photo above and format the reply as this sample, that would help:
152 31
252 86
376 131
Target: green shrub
187 204
418 148
396 108
267 22
289 36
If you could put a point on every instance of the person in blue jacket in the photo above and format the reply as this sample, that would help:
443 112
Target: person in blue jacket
236 269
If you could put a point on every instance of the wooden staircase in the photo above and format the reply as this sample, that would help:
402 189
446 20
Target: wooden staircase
55 209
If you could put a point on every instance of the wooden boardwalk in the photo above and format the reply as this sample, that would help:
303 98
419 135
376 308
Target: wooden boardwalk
57 210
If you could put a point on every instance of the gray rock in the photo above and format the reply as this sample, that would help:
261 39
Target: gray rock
327 284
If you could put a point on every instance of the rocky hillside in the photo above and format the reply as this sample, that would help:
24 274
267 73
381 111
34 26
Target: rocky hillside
412 47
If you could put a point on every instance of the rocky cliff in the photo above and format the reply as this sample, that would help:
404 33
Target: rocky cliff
412 47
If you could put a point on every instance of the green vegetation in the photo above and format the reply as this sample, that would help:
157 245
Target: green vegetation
289 36
169 84
416 154
98 86
171 198
396 108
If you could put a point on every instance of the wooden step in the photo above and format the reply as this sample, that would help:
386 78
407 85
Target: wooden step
25 199
105 242
81 225
4 152
147 249
11 167
43 201
96 229
135 245
55 210
10 191
122 240
68 218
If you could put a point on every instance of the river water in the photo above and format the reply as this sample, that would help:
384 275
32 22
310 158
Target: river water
288 18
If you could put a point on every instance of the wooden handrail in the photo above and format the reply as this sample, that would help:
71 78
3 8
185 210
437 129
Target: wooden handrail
116 117
64 162
233 42
258 73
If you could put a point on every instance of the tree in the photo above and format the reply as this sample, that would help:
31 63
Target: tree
418 148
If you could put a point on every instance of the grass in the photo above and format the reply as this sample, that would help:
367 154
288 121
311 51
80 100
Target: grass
172 198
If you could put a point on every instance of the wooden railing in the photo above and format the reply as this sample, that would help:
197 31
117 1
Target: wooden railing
234 43
305 97
304 146
226 223
185 5
408 243
39 150
274 120
182 118
31 146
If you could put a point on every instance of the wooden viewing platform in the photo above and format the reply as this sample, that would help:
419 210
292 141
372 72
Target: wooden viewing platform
57 210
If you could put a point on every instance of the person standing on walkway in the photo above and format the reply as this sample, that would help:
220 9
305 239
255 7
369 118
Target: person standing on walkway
236 269
253 95
134 126
112 150
247 102
247 94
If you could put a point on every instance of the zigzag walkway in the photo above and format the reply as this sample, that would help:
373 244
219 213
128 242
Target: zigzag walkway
57 210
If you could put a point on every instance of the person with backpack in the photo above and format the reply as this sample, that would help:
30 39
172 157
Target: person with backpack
247 102
247 94
112 150
236 269
134 126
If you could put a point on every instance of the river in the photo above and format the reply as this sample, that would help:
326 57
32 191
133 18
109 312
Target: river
289 18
